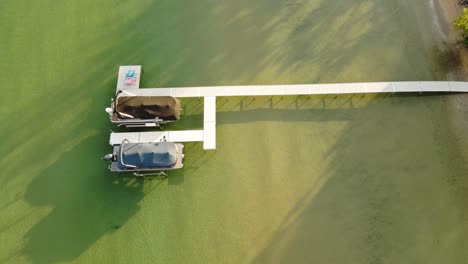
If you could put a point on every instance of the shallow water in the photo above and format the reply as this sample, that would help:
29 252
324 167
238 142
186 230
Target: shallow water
326 179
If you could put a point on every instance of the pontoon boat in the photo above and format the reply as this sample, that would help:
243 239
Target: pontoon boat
143 111
143 159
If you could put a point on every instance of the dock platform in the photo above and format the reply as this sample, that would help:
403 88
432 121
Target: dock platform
129 77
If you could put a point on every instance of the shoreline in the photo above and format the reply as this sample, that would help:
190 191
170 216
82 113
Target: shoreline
447 12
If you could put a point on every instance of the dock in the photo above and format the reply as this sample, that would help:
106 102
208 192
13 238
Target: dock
209 94
306 89
209 122
157 136
129 77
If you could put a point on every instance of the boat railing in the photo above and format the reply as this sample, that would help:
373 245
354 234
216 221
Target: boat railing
121 155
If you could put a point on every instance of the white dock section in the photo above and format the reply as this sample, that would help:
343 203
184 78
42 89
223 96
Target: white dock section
126 83
209 122
145 137
208 134
305 89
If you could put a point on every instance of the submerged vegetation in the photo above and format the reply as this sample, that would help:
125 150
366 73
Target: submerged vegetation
461 23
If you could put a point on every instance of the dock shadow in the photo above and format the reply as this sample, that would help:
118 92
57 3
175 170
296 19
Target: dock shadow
176 177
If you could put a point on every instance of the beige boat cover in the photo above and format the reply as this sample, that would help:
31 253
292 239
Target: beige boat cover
148 107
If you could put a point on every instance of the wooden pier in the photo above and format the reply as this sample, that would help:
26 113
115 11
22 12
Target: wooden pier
209 93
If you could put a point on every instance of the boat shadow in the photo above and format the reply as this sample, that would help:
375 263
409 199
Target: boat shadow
86 201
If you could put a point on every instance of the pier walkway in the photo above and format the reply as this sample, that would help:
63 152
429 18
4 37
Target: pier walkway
306 89
209 93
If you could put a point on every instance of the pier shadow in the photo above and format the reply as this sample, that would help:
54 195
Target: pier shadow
176 177
398 199
86 201
302 108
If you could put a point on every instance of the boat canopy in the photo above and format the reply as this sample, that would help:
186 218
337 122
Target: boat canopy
147 155
148 107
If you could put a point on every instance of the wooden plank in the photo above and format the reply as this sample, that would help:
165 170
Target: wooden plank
350 88
156 136
209 123
435 86
117 138
458 86
209 135
379 87
154 92
144 137
404 87
186 136
209 113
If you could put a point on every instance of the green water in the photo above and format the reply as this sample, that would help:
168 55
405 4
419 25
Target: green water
321 179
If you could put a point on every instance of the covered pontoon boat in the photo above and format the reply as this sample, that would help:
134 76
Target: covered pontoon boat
143 111
143 159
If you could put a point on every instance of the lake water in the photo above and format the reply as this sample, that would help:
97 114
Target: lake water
319 179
